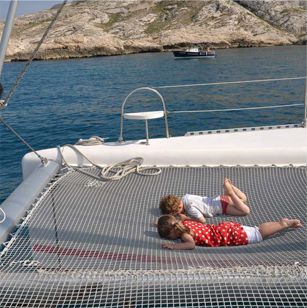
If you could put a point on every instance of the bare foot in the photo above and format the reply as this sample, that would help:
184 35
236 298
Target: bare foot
291 223
228 190
237 191
228 181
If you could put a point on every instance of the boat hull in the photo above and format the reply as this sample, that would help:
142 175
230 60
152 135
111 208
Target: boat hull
193 54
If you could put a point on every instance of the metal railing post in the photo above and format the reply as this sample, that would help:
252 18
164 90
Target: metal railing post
7 31
305 112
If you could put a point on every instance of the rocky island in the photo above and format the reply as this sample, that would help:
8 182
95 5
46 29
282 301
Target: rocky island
87 28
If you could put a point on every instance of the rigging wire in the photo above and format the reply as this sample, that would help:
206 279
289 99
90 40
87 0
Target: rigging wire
27 65
42 159
19 79
1 100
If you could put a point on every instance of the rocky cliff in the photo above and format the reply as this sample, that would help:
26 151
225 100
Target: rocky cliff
100 27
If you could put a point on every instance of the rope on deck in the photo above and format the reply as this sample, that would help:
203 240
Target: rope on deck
115 171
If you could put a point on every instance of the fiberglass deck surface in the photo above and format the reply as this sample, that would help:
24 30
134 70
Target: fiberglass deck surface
82 223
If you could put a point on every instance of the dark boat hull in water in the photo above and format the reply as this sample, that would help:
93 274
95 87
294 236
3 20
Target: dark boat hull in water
194 54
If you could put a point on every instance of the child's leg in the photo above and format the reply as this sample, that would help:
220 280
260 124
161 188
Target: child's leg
236 206
237 191
269 228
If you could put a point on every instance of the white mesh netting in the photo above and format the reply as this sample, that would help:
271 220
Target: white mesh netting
91 243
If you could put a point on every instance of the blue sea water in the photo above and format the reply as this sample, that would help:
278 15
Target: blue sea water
59 102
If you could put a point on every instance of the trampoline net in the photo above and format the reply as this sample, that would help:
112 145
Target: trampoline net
92 243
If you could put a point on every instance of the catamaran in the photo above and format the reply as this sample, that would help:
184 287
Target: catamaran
77 232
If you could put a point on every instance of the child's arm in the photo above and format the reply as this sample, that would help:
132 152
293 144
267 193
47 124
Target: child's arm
201 219
195 213
187 243
184 217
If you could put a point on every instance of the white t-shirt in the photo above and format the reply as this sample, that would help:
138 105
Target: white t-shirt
198 206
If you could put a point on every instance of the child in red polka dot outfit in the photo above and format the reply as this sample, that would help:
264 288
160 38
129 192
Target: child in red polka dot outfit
193 233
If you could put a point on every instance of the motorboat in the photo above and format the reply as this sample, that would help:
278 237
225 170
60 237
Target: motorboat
194 53
77 231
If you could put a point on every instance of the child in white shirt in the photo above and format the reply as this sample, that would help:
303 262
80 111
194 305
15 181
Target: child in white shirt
232 202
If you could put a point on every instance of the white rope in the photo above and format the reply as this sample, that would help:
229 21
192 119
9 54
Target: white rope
294 271
229 82
119 170
113 172
4 216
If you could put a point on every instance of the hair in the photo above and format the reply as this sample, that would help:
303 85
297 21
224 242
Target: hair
169 204
167 223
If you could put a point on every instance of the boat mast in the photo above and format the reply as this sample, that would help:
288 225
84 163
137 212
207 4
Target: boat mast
7 31
305 114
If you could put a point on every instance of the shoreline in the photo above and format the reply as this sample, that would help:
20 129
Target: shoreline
94 28
140 52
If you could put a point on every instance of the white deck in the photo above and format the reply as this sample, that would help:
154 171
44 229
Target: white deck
268 147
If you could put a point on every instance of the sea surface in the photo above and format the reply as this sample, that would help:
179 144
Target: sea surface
59 102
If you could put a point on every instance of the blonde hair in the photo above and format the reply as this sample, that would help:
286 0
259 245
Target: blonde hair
169 204
167 223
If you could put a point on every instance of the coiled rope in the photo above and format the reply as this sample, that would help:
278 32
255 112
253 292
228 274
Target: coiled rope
119 170
112 172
